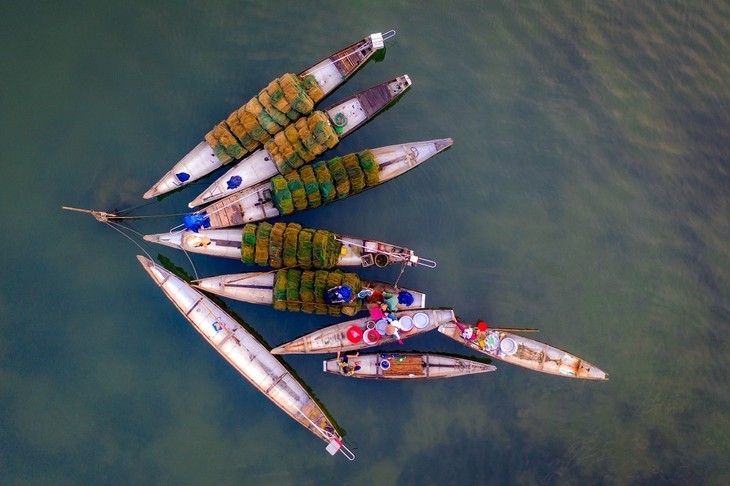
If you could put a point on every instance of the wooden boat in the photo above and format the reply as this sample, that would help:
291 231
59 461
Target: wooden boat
227 243
259 288
258 203
329 73
407 366
347 116
246 354
528 353
344 336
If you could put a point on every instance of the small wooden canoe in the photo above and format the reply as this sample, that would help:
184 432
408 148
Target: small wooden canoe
258 288
227 243
257 203
528 353
358 333
407 366
329 73
347 116
245 353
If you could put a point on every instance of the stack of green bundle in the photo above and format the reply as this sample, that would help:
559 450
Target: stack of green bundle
291 235
276 245
293 279
323 182
304 249
302 142
280 290
298 193
289 245
261 256
283 101
296 290
248 244
306 292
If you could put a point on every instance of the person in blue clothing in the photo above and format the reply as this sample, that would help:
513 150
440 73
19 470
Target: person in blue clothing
341 294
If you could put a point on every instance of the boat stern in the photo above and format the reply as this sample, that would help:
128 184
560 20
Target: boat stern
589 372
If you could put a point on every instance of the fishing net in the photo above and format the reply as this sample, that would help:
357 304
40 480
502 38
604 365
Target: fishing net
311 187
295 94
273 148
276 245
320 287
261 257
298 194
306 291
354 173
279 117
353 281
334 279
369 167
293 277
304 248
291 237
280 290
325 249
310 85
339 174
248 243
282 195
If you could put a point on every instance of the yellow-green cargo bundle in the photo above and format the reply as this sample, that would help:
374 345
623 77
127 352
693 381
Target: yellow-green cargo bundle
291 237
306 291
280 290
293 280
351 174
276 245
248 243
304 247
284 100
261 257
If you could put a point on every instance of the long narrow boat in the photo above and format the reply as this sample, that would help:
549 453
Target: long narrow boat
228 243
296 290
341 119
406 366
267 199
246 354
322 78
528 353
344 336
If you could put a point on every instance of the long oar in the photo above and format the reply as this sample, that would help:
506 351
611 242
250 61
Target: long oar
512 329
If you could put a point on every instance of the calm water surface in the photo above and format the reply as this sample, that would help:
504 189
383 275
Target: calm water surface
586 194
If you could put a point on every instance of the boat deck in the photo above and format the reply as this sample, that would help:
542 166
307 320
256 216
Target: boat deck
405 366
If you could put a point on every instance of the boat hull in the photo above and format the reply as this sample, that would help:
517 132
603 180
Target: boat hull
408 366
335 338
258 288
226 243
256 203
243 351
528 353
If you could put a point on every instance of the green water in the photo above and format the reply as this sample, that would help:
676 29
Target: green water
586 194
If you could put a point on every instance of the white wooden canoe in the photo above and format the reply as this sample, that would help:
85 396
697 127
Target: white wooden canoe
244 352
330 73
407 366
258 288
256 203
358 109
528 353
226 243
337 338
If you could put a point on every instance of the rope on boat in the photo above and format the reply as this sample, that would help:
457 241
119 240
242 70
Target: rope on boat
396 256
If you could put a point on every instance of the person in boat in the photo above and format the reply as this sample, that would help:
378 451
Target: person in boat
391 301
466 332
346 368
365 295
341 294
393 327
481 333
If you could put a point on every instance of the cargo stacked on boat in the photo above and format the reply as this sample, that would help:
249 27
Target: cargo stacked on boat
282 102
